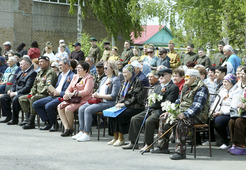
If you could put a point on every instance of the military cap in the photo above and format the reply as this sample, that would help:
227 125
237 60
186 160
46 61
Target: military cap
93 39
44 57
171 42
165 70
106 43
115 48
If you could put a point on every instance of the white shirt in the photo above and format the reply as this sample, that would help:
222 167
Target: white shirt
51 56
103 88
63 78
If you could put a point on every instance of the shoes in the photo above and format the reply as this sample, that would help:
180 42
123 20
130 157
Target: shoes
5 120
207 143
46 127
54 128
112 142
78 135
31 123
67 132
230 149
27 116
130 146
224 147
159 150
177 156
84 138
119 143
12 122
23 123
238 151
145 147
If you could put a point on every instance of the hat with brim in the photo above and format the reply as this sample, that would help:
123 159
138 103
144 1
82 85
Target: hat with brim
99 64
44 57
7 43
106 43
93 39
192 72
165 70
77 44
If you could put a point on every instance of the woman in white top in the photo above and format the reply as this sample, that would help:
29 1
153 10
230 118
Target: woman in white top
62 53
49 53
108 92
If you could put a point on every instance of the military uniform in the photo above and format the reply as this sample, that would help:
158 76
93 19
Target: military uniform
219 59
106 54
174 59
95 52
39 90
190 57
114 58
205 61
126 56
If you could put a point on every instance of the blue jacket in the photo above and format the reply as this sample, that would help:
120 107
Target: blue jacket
112 88
66 83
143 79
235 61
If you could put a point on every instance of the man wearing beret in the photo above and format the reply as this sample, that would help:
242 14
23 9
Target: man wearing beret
127 53
45 77
219 58
169 91
190 55
193 109
173 55
106 52
95 51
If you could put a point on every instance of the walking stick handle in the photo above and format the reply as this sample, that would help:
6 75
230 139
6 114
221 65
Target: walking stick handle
159 138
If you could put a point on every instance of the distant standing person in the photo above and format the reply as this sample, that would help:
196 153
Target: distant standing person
77 54
127 53
62 42
106 52
21 49
95 51
233 60
190 55
173 55
34 51
219 57
203 59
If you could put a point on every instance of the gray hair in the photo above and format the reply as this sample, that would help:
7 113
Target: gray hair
228 48
13 59
27 60
66 61
91 59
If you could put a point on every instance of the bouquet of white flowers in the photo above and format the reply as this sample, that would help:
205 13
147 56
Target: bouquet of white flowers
172 110
153 98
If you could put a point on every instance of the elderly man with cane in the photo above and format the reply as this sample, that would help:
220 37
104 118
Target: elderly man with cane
193 108
169 91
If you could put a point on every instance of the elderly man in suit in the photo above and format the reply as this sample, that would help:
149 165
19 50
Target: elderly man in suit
46 107
169 91
23 84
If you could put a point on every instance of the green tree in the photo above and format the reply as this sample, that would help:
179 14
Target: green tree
114 15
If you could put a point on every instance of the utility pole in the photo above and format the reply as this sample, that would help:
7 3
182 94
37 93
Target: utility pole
79 22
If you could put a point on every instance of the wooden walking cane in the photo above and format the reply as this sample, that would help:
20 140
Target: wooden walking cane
140 129
159 138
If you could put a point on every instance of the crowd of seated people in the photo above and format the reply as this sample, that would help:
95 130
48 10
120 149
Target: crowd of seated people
66 84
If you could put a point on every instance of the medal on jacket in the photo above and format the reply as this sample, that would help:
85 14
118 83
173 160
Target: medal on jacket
226 97
163 90
81 82
109 83
68 79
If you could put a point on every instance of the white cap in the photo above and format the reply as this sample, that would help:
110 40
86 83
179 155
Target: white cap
55 64
61 41
135 63
192 72
7 43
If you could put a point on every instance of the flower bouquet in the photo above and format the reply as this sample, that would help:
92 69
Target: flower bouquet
172 109
243 100
153 98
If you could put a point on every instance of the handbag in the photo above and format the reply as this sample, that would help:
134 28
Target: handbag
113 111
94 100
75 98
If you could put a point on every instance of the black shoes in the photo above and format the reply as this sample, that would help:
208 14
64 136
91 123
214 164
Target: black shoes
177 156
46 127
67 132
12 122
158 150
31 123
5 120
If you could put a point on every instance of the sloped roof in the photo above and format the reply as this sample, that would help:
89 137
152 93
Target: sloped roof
147 33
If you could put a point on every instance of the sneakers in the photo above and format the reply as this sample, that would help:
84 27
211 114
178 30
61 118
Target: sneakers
75 137
145 147
232 148
112 142
238 151
224 147
119 143
207 143
177 156
130 146
84 138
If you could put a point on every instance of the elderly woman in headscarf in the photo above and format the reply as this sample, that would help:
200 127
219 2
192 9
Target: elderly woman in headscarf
222 111
131 97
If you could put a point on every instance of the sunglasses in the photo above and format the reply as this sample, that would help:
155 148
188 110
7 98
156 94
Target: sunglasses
150 52
53 66
162 75
161 53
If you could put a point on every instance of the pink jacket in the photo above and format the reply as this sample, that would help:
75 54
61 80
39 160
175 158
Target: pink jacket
85 87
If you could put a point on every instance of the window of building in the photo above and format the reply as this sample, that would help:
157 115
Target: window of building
63 2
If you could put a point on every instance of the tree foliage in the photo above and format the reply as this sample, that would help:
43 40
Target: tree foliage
114 15
198 21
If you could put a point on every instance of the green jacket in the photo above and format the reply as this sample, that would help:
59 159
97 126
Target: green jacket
126 56
95 53
189 57
205 61
44 78
219 59
187 98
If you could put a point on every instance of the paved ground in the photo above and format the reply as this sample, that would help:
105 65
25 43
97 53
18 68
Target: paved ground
35 149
